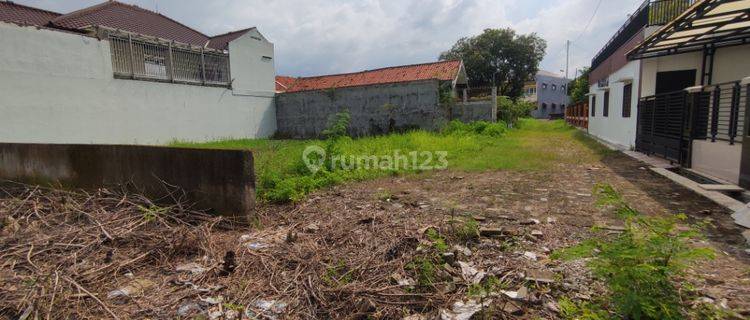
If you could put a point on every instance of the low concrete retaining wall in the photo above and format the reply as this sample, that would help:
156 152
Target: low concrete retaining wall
221 181
375 109
474 111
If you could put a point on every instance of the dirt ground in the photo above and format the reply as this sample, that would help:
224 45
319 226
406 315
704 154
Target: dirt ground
349 251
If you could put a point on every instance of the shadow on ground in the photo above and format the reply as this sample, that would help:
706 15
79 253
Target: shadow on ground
673 197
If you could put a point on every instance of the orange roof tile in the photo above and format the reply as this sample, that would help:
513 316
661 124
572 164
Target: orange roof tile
443 70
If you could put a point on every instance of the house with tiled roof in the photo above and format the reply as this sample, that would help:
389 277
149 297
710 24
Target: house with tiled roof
118 73
451 71
25 15
384 100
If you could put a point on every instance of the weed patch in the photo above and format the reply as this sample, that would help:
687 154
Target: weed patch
640 266
283 177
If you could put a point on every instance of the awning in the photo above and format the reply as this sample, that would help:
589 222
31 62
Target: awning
706 24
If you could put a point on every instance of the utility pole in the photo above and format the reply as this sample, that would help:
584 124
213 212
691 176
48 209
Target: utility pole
567 57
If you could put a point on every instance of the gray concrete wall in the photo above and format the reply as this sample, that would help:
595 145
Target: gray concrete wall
375 109
474 111
221 181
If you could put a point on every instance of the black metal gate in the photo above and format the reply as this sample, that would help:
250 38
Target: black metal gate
664 123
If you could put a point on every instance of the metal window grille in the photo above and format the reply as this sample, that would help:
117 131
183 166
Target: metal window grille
146 59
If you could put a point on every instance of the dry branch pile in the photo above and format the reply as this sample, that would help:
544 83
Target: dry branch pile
62 252
114 255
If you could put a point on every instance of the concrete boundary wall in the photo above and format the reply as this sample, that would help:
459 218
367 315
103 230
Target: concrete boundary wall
375 109
474 111
59 87
221 181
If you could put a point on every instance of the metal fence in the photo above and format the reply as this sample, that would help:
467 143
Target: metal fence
140 58
721 112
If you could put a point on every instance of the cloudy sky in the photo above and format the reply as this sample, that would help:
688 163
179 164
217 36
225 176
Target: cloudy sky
315 37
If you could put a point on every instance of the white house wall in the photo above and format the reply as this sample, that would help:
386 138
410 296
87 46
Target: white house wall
718 159
58 87
614 128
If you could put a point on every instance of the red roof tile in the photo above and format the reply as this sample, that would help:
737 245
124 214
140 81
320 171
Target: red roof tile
221 42
130 18
443 70
16 13
283 83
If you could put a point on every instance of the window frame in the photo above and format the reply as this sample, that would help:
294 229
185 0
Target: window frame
593 105
627 100
605 109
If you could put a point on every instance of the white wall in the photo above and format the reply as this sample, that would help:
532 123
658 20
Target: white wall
58 87
614 128
686 61
718 159
730 64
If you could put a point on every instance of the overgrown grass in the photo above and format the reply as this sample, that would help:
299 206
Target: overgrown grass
641 266
532 145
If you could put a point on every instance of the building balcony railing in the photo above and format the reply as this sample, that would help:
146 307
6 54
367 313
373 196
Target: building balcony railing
661 12
649 13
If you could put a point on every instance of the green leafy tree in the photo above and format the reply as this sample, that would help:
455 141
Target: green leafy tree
579 87
513 59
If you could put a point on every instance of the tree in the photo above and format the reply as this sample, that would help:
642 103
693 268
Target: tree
513 59
579 87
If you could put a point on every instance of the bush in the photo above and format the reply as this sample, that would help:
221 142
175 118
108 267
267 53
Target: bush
640 265
456 127
510 111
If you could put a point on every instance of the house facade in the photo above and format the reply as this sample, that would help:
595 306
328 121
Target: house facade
115 73
674 82
549 91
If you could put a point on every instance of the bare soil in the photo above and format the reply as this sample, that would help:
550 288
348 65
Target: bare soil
340 253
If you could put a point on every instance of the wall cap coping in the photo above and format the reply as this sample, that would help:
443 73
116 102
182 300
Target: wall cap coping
694 89
745 81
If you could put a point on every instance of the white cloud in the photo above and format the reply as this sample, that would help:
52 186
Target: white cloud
328 36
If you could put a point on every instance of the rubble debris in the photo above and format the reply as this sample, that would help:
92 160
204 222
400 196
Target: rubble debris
191 267
189 308
311 228
416 317
530 255
256 245
746 234
463 310
530 221
520 294
471 274
265 309
212 300
537 233
466 252
541 276
134 288
491 232
512 309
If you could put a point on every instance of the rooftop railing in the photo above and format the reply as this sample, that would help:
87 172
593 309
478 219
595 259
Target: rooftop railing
144 58
662 12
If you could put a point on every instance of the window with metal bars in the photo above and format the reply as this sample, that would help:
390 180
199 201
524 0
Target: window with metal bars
137 58
627 100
